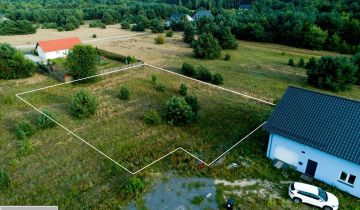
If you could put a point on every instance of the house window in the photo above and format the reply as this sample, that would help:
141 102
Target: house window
347 178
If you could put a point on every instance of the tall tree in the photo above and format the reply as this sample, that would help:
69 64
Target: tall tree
81 62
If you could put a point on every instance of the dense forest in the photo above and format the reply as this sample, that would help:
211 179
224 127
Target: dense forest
314 24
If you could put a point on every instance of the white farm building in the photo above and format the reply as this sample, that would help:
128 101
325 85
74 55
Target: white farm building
52 49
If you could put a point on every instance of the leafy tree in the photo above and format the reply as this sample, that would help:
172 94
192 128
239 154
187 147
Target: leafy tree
24 129
82 61
107 18
183 89
4 180
9 27
301 62
334 43
206 47
44 121
189 32
124 94
188 70
152 117
13 64
204 74
156 26
83 105
333 73
311 64
315 38
217 79
178 112
138 27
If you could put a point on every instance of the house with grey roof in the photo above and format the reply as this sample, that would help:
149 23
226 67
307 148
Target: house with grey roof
318 135
177 17
202 13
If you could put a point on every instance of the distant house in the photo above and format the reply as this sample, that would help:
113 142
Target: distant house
176 17
58 48
318 135
202 13
245 7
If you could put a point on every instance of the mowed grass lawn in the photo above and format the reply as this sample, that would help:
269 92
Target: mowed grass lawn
260 69
118 128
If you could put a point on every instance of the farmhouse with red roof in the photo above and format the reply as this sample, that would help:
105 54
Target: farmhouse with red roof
57 48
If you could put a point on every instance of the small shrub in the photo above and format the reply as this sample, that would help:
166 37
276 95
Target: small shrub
170 33
178 112
188 69
45 122
152 117
301 62
130 60
204 74
217 79
159 40
83 105
60 29
193 102
94 36
282 53
4 180
291 62
125 25
24 129
154 79
25 147
160 87
134 186
124 94
227 57
183 90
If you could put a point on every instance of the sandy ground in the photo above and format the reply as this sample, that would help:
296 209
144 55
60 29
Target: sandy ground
84 33
144 48
140 45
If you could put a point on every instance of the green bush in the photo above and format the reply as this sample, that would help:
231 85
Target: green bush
94 36
206 46
4 180
178 112
193 102
170 33
333 73
217 79
138 27
124 94
183 90
188 69
82 61
311 64
152 117
134 186
125 25
189 33
227 57
301 62
154 79
291 62
160 87
356 60
159 40
204 74
83 105
156 26
45 122
24 129
25 147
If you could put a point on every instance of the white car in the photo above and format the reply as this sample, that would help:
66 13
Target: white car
305 193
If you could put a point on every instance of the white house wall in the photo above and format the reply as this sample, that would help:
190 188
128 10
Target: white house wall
329 166
52 54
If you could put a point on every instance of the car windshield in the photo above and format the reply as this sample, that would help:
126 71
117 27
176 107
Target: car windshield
323 194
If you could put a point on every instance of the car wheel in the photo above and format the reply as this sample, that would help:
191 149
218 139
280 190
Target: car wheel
297 200
327 208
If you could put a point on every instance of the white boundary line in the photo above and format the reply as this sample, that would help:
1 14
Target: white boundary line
179 148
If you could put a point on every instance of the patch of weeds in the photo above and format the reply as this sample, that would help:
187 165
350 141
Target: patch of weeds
25 147
4 180
8 99
14 163
160 87
197 200
195 185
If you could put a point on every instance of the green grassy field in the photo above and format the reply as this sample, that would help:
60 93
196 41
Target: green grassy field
64 171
